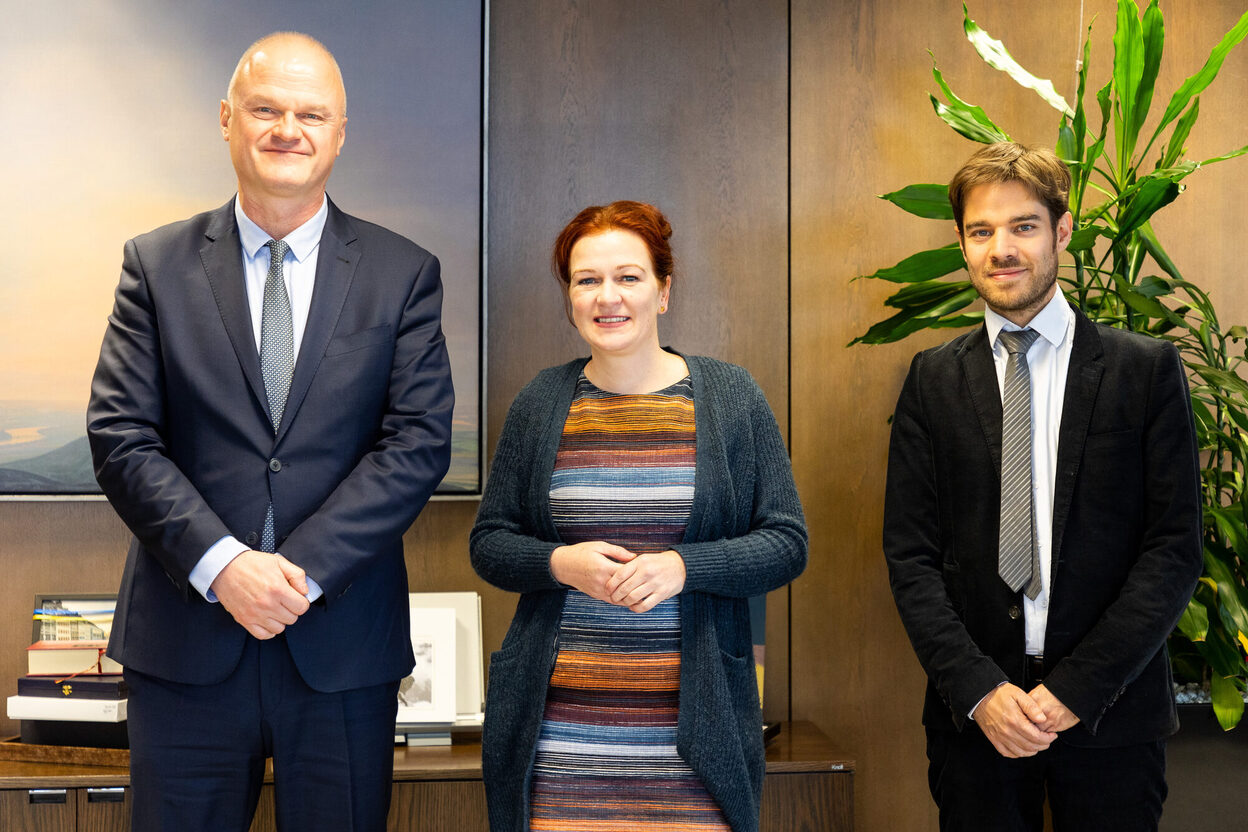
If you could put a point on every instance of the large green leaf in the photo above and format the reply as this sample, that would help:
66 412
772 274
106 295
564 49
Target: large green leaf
1152 286
1230 605
1178 139
1240 152
928 201
1079 124
1222 652
1153 31
911 320
1143 304
1195 621
1128 67
959 321
929 297
971 111
1084 238
1149 195
1196 84
1155 250
924 265
1228 702
995 55
966 124
1220 378
1069 148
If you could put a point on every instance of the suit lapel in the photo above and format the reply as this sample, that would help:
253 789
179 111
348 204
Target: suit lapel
222 259
335 269
985 392
1083 380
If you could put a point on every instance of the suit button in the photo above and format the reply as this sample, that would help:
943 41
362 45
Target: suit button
275 465
1014 612
251 539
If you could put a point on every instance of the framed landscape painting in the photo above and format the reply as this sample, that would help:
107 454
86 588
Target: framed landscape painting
113 114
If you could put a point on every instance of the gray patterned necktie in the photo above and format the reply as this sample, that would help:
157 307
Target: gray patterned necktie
1018 561
277 355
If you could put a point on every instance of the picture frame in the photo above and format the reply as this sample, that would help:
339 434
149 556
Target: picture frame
427 693
469 669
98 605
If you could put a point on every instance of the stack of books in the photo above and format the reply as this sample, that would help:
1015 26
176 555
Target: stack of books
72 694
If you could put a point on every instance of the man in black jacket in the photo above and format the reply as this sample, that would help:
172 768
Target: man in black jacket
1042 529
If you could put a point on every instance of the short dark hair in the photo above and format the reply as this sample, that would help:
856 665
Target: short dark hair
1039 169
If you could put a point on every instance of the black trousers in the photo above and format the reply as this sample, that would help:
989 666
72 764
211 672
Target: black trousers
197 752
1105 789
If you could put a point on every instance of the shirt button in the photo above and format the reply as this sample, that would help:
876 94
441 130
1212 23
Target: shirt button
1014 612
275 465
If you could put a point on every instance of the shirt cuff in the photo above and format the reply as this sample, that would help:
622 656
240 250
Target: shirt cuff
210 565
218 557
314 589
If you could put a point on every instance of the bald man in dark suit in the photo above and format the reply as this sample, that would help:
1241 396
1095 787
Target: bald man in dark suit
270 412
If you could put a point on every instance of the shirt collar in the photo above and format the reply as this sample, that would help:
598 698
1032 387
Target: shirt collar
302 241
1052 322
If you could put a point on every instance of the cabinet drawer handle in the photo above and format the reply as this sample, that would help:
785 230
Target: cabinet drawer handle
41 796
109 794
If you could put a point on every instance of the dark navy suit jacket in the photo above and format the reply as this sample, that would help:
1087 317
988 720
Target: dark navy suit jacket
1126 532
185 451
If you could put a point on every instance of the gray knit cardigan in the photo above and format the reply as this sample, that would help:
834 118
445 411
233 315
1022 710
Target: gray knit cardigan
746 536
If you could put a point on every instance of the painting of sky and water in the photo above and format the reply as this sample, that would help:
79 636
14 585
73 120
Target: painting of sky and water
112 130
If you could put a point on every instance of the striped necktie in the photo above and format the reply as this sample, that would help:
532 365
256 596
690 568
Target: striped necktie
1018 560
277 356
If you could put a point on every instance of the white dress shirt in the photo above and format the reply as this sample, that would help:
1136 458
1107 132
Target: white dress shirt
1048 361
299 272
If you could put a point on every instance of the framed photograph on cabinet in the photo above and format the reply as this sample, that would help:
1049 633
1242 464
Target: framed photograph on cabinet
72 616
427 694
469 676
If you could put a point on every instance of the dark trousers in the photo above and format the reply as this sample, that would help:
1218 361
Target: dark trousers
197 752
1107 789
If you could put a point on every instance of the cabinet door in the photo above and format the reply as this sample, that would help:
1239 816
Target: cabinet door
438 806
38 810
821 802
104 809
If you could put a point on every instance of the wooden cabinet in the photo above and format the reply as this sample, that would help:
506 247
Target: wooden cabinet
809 788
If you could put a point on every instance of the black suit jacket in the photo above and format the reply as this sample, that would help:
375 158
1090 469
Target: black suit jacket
1126 532
185 451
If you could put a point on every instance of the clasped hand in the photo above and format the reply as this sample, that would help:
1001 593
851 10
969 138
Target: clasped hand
1021 724
264 592
613 574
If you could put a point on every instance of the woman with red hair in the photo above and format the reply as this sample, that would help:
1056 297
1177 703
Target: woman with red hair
636 500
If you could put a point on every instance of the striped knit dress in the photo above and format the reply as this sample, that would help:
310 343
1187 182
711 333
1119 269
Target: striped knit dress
606 756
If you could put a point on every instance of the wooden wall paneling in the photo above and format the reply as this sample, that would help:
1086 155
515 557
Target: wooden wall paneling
862 125
679 104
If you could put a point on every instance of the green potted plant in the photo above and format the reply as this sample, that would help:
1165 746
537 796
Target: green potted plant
1121 275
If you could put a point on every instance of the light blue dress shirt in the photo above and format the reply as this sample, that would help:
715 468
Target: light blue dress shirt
299 271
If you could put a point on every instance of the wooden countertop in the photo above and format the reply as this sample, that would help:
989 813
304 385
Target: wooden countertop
800 748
